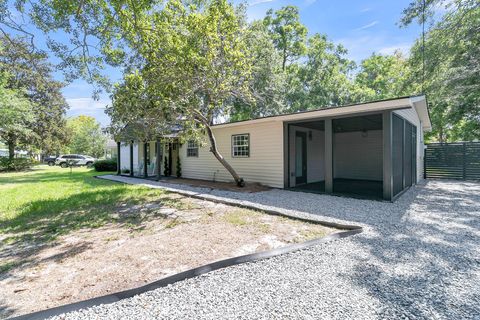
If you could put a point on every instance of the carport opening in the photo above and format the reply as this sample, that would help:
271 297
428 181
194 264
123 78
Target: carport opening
358 156
357 159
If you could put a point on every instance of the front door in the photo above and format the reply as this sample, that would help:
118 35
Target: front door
300 157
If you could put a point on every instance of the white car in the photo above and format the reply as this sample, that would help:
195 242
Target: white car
77 159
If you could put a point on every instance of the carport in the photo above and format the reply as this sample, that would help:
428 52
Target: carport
363 154
356 152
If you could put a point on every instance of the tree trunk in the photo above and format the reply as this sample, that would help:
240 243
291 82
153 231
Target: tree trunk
11 149
213 149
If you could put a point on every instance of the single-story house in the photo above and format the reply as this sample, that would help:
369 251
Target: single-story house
372 149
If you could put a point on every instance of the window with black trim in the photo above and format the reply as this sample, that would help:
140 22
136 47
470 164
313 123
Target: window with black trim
241 145
192 149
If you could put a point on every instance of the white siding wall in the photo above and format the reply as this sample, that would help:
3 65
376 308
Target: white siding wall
315 155
265 164
125 156
412 116
357 157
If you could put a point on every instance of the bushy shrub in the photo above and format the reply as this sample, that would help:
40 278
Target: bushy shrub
179 168
105 165
16 164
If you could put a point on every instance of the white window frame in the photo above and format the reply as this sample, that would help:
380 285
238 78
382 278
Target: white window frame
192 146
234 145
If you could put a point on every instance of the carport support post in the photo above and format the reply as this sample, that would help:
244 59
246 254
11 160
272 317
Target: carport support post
328 156
145 164
131 158
119 166
158 159
387 155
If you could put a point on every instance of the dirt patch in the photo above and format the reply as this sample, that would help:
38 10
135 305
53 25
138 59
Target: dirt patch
249 187
153 242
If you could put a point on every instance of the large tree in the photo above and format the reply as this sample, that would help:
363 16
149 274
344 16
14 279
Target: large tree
288 33
322 79
16 116
196 64
383 77
446 66
268 82
31 73
86 136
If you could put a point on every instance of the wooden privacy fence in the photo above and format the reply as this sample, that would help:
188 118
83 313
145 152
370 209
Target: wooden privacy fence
458 160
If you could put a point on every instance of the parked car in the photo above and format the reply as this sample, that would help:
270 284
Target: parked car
50 160
78 159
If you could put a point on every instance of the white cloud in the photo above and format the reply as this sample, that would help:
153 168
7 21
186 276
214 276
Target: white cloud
256 2
89 107
371 24
78 104
366 10
360 48
402 47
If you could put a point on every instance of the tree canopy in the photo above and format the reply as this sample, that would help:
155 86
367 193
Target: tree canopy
86 137
194 62
31 73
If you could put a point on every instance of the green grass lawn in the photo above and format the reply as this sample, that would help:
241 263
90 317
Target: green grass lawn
46 202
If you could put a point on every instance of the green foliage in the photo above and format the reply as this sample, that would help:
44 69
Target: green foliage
267 81
288 33
86 136
16 115
452 82
179 168
383 77
15 164
31 74
166 169
323 79
105 165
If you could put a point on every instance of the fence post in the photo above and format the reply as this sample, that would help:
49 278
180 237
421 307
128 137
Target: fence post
464 161
425 162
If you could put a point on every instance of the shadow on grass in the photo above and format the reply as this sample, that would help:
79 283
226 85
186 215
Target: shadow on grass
60 175
41 222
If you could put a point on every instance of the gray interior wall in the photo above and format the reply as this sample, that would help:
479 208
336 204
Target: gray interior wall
358 157
315 155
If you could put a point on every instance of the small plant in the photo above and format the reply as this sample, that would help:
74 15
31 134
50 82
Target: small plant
105 165
179 168
166 169
173 223
126 171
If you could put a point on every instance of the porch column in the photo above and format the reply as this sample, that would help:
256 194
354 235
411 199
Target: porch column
131 158
387 155
145 164
286 164
328 156
119 166
159 159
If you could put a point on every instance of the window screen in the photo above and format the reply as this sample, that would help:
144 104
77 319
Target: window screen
408 164
397 153
192 149
241 145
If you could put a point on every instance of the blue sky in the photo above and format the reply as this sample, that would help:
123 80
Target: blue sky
362 26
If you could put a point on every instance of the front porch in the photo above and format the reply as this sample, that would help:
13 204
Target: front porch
149 160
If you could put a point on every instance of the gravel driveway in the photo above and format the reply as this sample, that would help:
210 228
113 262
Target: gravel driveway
418 258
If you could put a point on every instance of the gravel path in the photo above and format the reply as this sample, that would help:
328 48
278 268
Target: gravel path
418 258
